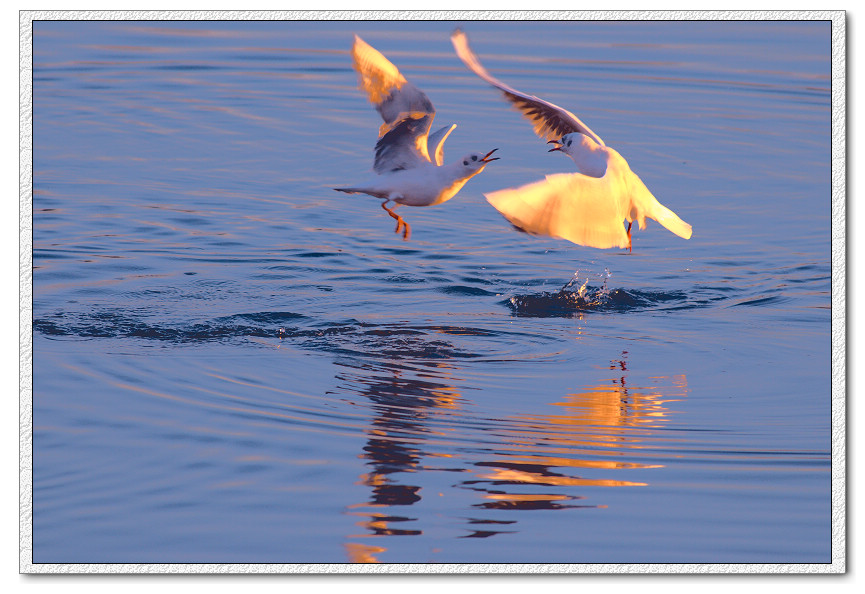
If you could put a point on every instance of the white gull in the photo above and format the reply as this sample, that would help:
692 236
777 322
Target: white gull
405 172
589 207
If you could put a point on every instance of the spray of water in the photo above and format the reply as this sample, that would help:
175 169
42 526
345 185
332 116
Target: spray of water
577 294
587 296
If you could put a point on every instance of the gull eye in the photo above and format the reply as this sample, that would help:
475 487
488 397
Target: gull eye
474 157
569 142
465 162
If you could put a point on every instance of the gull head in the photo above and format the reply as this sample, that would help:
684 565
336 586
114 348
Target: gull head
573 144
591 158
475 162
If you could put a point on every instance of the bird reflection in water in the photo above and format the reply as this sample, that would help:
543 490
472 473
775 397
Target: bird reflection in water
537 461
407 411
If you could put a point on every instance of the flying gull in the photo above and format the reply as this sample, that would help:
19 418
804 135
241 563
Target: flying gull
589 207
409 161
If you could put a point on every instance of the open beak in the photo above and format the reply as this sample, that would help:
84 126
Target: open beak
558 146
486 159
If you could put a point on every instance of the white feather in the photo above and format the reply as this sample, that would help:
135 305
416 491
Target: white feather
568 206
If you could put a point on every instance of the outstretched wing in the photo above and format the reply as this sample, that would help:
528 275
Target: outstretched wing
393 96
550 121
570 206
404 145
436 143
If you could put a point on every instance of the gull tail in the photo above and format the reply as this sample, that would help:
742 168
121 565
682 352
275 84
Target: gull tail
369 190
671 221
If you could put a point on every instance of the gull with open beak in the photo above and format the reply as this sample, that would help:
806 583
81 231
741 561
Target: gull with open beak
409 161
588 208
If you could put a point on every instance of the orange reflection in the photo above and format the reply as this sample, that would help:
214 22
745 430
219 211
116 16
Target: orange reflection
607 413
520 476
360 553
590 434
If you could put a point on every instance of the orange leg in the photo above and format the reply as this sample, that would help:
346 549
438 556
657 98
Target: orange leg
629 237
399 221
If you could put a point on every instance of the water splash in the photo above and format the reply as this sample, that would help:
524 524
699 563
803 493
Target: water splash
565 301
601 294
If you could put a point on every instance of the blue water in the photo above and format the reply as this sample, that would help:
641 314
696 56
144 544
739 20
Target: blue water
233 363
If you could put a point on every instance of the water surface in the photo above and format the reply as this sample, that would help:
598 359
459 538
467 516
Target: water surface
233 363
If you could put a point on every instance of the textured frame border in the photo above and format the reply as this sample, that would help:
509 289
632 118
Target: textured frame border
838 314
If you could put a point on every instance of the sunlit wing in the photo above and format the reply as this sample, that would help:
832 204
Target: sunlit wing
386 87
550 121
436 143
404 145
570 206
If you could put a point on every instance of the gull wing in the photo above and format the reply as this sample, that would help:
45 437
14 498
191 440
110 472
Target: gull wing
570 206
550 121
404 145
436 143
393 96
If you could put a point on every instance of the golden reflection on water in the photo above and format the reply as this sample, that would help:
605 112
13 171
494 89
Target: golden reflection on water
362 553
540 461
608 413
594 429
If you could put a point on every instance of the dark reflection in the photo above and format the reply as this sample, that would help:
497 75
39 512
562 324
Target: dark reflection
535 461
405 408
